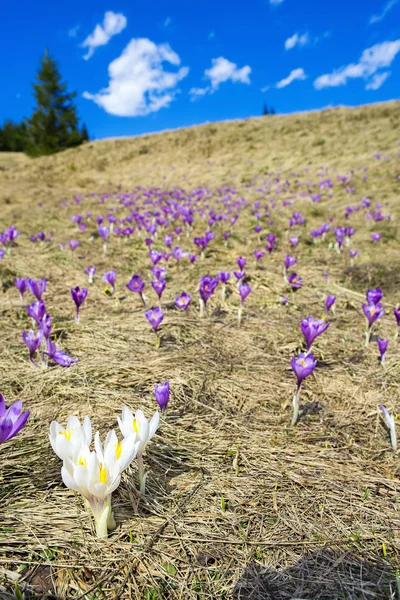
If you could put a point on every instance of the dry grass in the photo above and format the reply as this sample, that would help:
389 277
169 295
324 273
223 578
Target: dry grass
239 504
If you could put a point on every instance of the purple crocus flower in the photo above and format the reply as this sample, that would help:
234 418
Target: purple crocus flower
158 286
382 345
159 272
33 341
73 244
295 281
293 241
21 285
374 296
162 392
289 261
302 366
193 258
110 277
78 296
177 253
103 232
45 326
36 310
90 271
258 254
373 312
329 303
155 256
224 276
311 329
183 301
375 237
241 262
284 300
60 357
239 275
244 291
136 284
154 316
12 419
207 287
168 239
37 288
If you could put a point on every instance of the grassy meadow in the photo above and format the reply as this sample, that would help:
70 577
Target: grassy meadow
239 504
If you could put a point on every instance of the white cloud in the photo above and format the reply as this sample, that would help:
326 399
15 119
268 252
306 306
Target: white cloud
138 83
297 40
372 60
296 74
378 80
386 9
211 35
113 23
73 31
223 70
167 22
196 93
275 2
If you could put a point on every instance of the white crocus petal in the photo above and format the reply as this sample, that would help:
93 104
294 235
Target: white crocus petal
66 441
126 422
97 446
87 430
390 424
129 450
154 422
68 478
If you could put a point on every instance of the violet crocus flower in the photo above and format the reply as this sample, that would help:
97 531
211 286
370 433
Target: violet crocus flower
284 300
375 237
110 277
293 241
244 291
36 310
21 285
193 258
159 272
302 366
155 256
396 312
353 254
162 392
207 288
239 275
311 329
183 301
374 296
90 271
241 262
60 357
258 255
295 281
33 341
158 286
330 303
104 233
73 244
382 345
155 316
177 253
45 326
78 296
373 312
12 419
136 284
37 288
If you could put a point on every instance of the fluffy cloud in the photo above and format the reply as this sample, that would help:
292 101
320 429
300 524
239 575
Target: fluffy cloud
293 76
113 23
377 80
297 40
371 62
138 82
221 70
275 2
386 9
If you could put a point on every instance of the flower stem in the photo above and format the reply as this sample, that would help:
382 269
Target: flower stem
296 398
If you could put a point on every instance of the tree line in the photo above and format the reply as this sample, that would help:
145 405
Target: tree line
54 123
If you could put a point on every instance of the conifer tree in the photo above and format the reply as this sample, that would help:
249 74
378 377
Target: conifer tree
53 125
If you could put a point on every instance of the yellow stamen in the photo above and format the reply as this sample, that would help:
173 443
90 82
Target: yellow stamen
303 362
82 462
118 450
66 433
135 425
103 474
372 311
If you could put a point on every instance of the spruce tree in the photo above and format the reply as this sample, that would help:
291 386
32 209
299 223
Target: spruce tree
265 110
54 123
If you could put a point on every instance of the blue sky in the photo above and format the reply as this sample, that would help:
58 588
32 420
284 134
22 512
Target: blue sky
142 67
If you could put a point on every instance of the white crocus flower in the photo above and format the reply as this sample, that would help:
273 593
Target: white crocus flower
142 430
390 424
95 475
66 441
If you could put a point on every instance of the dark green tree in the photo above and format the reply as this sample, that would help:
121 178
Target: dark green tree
265 110
54 123
13 137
